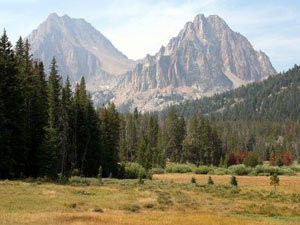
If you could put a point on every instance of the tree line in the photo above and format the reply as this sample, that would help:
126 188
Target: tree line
50 129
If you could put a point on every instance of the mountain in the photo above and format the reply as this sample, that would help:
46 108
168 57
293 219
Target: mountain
80 50
277 98
206 57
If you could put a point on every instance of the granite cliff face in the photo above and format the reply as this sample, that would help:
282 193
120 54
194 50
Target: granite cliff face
80 50
205 58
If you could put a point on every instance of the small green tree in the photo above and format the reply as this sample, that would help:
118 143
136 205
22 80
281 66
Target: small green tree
100 174
279 162
233 181
140 177
274 180
210 181
251 160
193 180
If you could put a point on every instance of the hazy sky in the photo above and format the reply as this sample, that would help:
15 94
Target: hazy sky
138 27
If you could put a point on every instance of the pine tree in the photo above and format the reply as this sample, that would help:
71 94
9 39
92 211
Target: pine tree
12 138
191 143
233 181
210 181
141 149
110 132
66 129
38 118
51 154
274 180
148 158
131 138
175 135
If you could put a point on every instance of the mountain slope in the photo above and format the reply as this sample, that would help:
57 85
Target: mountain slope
206 57
79 49
276 98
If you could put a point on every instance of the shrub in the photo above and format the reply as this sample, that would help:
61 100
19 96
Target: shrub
219 171
286 171
75 172
274 180
133 208
239 170
98 210
133 170
193 180
83 180
164 198
178 168
203 170
251 160
279 162
233 181
236 158
263 170
140 180
157 171
210 181
295 168
282 158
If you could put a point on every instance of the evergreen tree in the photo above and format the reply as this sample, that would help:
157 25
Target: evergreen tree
110 129
66 128
12 137
175 135
141 149
51 154
274 180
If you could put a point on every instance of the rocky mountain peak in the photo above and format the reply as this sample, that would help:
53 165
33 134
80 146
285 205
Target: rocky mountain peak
206 57
79 49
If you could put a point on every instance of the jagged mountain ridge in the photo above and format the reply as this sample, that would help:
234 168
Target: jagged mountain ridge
80 50
205 58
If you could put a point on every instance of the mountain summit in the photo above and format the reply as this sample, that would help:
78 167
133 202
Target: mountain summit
206 57
79 48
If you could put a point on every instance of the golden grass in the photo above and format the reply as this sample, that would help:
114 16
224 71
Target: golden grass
117 217
287 183
31 203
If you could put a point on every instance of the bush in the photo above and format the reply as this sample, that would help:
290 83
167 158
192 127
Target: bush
295 168
233 181
193 180
263 170
178 168
83 180
219 171
239 170
133 170
203 170
251 160
286 171
157 171
210 181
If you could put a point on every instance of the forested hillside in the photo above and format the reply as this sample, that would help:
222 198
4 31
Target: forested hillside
48 130
276 98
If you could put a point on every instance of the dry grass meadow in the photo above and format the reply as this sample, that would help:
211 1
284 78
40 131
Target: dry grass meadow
167 199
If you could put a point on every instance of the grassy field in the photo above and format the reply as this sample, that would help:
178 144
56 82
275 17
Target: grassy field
167 199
